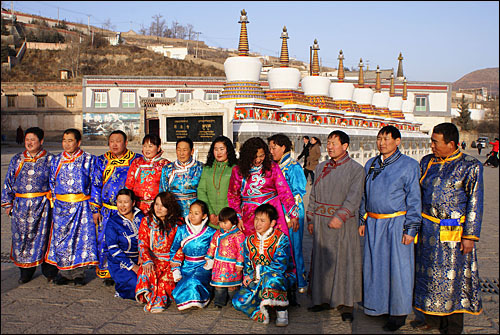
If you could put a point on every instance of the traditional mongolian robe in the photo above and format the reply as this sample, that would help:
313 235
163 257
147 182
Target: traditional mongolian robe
123 253
187 254
336 263
391 207
154 247
181 179
446 281
73 239
267 262
213 186
110 174
246 194
294 175
225 254
27 191
143 179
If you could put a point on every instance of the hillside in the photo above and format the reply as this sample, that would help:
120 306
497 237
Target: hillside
38 65
488 78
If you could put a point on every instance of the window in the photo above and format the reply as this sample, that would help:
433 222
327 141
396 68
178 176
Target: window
70 101
183 97
40 101
100 99
211 96
11 101
420 104
128 99
156 94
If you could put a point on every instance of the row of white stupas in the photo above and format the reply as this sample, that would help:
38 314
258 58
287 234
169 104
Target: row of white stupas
322 101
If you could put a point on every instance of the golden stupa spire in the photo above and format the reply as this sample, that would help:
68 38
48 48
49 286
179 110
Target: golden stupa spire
391 90
377 83
243 46
361 79
400 66
340 71
315 63
284 59
405 89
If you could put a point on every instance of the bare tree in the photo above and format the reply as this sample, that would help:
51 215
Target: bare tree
143 30
157 26
108 25
190 33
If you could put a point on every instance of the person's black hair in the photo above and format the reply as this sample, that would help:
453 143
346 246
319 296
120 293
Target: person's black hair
38 132
317 140
231 154
187 140
248 152
174 212
343 137
76 133
202 204
449 132
129 193
395 133
228 214
121 132
269 210
281 140
153 139
306 137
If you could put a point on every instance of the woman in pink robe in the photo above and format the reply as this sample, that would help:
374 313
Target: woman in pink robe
257 180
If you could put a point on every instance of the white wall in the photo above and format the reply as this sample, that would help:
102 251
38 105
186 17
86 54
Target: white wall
438 102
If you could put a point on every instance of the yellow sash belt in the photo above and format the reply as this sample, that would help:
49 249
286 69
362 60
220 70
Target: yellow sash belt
110 206
436 220
72 197
385 216
47 194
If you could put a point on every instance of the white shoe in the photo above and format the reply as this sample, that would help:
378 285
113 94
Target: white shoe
281 318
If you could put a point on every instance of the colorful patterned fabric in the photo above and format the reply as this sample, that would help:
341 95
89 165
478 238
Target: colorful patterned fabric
26 190
187 254
143 179
154 247
110 174
294 175
182 179
267 262
73 238
245 195
226 251
123 253
446 281
391 186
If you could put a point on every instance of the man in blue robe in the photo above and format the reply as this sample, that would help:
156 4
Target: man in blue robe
446 276
389 220
181 178
73 243
26 198
110 175
280 147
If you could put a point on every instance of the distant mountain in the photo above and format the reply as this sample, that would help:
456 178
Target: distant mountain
480 78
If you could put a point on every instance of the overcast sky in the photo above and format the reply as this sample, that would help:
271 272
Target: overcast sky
440 41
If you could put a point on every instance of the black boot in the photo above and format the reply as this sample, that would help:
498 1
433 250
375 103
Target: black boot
26 274
395 322
220 297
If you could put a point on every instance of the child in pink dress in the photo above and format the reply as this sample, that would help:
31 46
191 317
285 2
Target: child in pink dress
225 257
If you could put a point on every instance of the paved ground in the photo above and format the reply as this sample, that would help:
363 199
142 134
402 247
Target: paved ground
39 307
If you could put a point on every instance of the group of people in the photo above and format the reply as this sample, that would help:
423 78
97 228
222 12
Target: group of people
232 229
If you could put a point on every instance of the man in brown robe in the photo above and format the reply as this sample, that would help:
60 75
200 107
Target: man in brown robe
332 220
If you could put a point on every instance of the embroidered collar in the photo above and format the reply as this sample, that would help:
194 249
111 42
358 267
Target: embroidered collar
331 165
70 157
266 234
341 160
186 165
285 160
156 158
195 230
382 164
454 155
29 158
136 211
230 231
254 169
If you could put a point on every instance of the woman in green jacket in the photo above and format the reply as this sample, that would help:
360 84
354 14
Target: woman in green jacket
214 181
